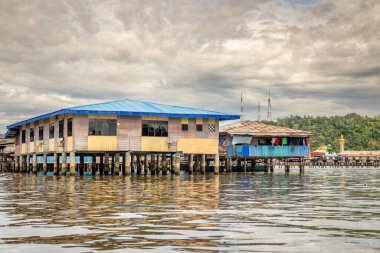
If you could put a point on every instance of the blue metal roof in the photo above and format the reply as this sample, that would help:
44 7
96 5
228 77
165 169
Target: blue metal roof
132 108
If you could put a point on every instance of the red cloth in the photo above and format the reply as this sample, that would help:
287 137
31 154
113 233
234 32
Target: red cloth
277 142
306 141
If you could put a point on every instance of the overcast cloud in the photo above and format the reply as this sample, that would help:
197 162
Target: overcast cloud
318 57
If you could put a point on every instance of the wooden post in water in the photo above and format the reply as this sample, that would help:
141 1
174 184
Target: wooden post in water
81 164
72 164
191 163
138 164
271 165
172 162
27 163
164 165
93 164
216 164
101 165
146 164
152 164
21 164
106 164
177 165
64 164
128 164
203 163
287 169
44 165
55 164
117 165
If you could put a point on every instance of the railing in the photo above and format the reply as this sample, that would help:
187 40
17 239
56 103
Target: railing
268 151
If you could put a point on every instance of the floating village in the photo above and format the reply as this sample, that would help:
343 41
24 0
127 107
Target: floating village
128 136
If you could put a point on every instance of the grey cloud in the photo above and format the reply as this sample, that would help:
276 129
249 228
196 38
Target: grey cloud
318 57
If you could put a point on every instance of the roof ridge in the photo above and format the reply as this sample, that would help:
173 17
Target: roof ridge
178 106
102 103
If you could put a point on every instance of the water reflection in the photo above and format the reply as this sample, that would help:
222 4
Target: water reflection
336 208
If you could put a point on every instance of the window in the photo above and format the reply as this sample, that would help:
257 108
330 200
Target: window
155 128
185 127
51 130
199 127
104 127
23 136
40 133
60 129
31 134
69 127
211 128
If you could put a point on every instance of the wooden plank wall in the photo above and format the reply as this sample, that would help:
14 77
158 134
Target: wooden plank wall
80 132
129 133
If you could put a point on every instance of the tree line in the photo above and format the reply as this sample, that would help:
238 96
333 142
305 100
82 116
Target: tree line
360 132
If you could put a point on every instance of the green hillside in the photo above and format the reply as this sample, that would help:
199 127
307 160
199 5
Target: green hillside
360 132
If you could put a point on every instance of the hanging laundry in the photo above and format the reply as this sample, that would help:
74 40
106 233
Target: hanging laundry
289 141
283 141
273 141
277 142
306 142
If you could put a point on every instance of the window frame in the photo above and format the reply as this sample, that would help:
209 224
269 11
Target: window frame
185 127
69 127
199 127
61 125
23 136
98 127
154 128
51 130
31 135
41 133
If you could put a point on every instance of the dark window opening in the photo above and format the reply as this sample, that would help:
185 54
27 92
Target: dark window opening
103 127
40 133
23 136
199 127
185 127
60 129
69 127
31 134
155 128
51 130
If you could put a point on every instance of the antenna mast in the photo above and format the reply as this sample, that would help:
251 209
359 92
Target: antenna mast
258 111
241 105
269 116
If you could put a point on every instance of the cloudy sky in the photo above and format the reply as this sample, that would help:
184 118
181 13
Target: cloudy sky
318 57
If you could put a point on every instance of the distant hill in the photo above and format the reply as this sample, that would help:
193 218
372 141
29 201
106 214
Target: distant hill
360 132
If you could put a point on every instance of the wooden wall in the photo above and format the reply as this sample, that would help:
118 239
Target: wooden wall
129 136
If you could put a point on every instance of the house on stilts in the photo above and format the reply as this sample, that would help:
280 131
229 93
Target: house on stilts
116 137
247 144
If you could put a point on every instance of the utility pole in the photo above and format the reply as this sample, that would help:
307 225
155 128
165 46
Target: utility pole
269 115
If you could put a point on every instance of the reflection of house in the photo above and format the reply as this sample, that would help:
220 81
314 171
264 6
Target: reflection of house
109 131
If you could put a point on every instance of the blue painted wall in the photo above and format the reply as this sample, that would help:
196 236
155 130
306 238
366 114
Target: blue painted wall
268 151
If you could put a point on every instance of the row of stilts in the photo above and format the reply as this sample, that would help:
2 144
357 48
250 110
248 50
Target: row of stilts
347 163
125 163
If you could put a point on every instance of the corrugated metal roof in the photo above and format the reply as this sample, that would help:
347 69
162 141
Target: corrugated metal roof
254 128
132 108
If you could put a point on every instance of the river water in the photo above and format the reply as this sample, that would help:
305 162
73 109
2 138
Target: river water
335 210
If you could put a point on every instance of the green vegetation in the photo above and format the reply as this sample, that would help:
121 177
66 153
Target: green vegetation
360 132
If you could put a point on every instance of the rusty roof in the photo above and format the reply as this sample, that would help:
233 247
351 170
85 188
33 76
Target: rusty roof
254 128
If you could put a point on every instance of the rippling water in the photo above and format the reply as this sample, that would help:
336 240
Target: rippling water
336 210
